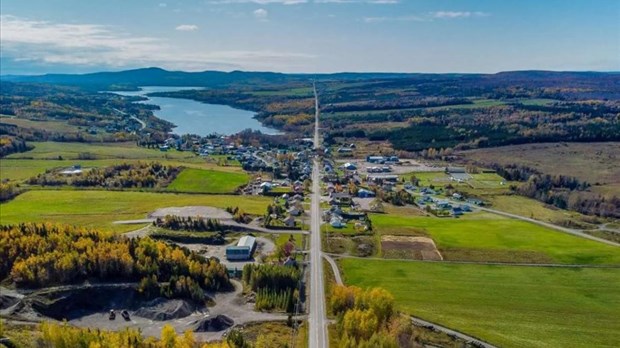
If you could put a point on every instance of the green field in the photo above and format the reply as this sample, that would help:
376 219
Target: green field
489 237
207 181
508 306
76 151
100 209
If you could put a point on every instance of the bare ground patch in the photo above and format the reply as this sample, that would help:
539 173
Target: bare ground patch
406 247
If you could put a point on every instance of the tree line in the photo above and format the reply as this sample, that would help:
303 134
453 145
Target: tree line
196 224
120 176
10 144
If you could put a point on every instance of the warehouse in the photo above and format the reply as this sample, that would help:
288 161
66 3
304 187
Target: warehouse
243 250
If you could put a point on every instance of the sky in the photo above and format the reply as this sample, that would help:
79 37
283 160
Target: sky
312 36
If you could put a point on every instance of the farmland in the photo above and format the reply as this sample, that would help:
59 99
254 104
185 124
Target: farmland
506 305
488 237
207 181
99 209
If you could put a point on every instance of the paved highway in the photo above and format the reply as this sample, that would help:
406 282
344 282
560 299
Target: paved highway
316 319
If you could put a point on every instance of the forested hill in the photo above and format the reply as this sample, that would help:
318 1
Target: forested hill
161 77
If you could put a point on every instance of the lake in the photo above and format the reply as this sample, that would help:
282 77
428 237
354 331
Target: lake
194 117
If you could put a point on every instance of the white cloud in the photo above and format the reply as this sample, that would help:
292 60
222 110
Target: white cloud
163 4
261 14
457 14
186 27
429 17
395 19
97 45
259 2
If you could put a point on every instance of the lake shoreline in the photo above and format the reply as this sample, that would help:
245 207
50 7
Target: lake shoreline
195 117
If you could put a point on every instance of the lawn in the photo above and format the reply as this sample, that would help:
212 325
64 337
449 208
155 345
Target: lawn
100 208
489 237
207 181
510 306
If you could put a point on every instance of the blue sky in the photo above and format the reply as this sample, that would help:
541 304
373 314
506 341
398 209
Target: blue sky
40 36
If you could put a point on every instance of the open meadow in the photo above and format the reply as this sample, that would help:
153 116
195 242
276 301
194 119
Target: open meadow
509 306
490 237
99 209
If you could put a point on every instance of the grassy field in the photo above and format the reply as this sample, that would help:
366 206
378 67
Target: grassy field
207 181
591 162
50 126
506 305
531 208
77 151
489 237
100 209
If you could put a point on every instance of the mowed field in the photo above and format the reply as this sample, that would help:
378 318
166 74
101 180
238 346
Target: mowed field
490 237
510 306
207 181
591 162
99 209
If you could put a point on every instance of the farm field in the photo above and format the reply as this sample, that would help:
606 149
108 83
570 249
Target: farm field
510 306
99 209
489 237
84 151
591 162
22 169
50 126
207 181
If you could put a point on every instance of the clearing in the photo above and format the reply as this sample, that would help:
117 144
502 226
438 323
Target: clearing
404 247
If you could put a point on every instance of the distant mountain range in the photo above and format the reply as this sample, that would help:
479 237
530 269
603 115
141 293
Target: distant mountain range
161 77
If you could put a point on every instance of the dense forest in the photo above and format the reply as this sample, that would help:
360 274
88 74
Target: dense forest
55 335
120 176
276 287
40 255
11 144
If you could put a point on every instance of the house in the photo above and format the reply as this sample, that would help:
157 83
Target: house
475 201
375 159
364 193
294 211
383 177
243 250
341 198
457 196
336 222
289 221
450 170
456 211
443 205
